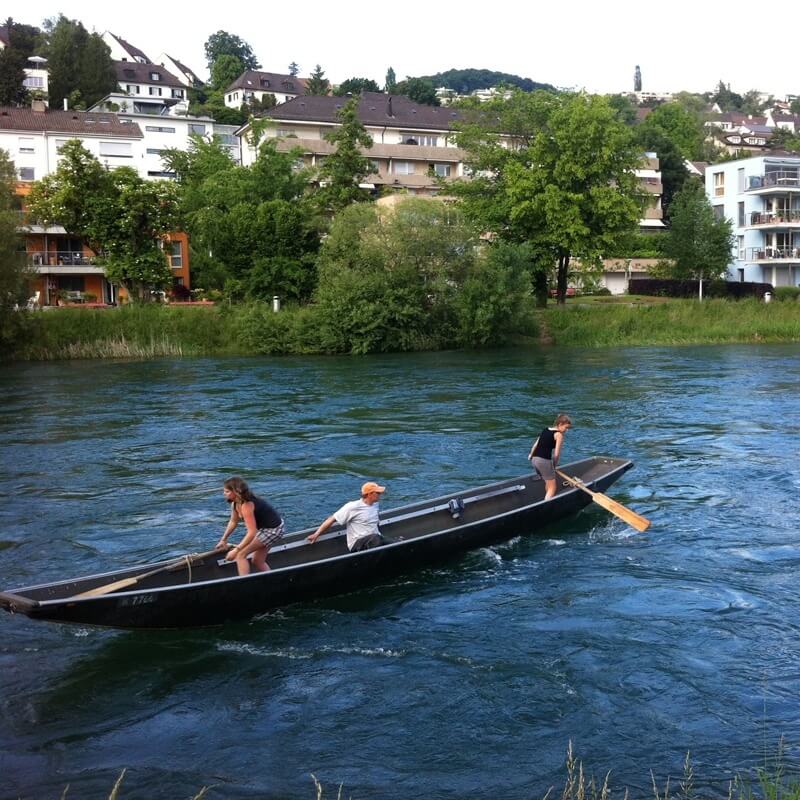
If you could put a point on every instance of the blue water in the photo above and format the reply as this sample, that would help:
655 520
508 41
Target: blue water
465 680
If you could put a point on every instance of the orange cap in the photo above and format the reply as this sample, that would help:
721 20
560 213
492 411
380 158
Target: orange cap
371 486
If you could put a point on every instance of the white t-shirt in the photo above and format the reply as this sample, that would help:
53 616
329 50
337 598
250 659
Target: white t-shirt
360 518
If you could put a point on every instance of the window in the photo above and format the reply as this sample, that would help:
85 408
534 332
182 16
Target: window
740 174
265 83
32 82
131 89
154 151
376 166
442 170
741 214
175 255
156 173
177 93
155 90
403 168
740 243
27 144
155 76
719 212
26 174
226 138
116 149
740 270
196 127
719 184
158 129
284 132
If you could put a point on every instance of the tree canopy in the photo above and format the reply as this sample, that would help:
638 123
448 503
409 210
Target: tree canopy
122 217
223 43
356 86
560 177
317 83
465 81
13 60
421 90
699 244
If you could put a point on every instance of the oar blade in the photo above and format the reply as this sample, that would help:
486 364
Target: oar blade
631 517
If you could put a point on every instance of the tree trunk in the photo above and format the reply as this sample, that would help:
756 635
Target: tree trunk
561 278
540 287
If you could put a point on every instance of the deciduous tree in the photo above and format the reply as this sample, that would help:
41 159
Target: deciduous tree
122 217
421 90
343 170
699 244
356 86
223 43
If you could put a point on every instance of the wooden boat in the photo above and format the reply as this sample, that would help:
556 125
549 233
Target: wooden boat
208 591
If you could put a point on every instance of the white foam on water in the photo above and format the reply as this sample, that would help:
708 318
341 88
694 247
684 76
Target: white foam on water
300 655
555 542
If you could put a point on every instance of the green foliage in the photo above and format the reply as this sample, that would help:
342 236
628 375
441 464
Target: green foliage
420 90
639 245
791 293
317 83
224 71
15 276
118 214
78 61
410 279
684 128
566 185
13 60
223 43
343 170
390 86
625 108
726 99
465 81
356 86
294 69
698 245
252 228
784 139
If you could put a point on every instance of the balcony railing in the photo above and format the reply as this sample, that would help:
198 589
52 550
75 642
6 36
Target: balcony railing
773 253
60 258
787 180
787 217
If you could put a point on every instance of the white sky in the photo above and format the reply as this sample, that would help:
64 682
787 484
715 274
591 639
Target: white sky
582 44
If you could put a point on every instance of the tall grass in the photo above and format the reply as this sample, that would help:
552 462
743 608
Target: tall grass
676 322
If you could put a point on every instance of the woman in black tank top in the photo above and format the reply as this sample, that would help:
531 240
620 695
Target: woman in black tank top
264 526
546 451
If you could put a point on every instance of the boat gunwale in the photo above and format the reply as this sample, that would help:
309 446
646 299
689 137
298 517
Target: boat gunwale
622 466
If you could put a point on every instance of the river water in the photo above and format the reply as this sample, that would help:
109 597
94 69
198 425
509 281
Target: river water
465 680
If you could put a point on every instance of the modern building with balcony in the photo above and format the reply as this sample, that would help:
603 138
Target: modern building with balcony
64 266
761 196
413 144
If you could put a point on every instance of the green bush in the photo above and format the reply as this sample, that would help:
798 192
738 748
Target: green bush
787 292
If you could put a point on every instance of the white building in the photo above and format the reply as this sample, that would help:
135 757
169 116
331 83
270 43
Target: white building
147 89
254 85
36 76
761 196
122 50
186 76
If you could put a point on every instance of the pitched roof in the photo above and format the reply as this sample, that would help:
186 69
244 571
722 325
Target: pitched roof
266 81
140 73
374 108
78 122
133 51
182 66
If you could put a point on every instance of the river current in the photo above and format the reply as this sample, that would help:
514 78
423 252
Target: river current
469 679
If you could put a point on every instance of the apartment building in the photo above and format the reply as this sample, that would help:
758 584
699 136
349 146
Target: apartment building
147 89
412 143
33 137
761 196
254 85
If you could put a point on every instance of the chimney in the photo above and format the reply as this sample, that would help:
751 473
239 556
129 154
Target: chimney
389 111
38 106
66 104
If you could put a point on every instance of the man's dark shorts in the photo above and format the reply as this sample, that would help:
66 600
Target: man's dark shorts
367 542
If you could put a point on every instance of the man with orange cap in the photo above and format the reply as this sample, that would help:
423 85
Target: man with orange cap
360 517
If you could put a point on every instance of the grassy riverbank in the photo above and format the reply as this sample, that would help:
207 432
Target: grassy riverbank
151 331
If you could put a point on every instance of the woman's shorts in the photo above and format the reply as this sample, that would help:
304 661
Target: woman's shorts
268 536
544 466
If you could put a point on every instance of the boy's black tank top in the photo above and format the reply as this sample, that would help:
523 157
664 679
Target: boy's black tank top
546 444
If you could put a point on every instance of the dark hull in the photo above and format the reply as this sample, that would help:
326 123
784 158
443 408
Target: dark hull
418 534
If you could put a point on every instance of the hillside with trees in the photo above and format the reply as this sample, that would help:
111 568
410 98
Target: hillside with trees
465 81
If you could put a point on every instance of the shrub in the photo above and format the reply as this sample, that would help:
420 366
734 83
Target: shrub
736 290
787 292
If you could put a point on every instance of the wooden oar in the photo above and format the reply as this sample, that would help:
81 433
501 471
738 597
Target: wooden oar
631 517
183 561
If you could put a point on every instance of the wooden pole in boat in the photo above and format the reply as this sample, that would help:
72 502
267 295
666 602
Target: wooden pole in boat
183 561
625 514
